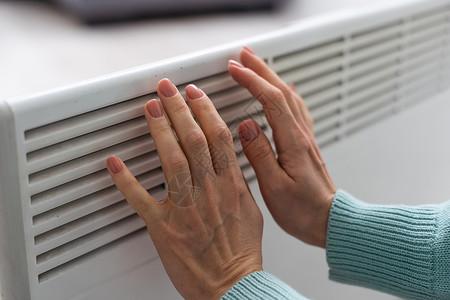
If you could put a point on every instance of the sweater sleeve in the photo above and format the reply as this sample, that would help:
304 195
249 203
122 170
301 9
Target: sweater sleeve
261 285
401 250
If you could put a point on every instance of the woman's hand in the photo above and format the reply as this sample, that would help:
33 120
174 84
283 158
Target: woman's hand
208 229
295 185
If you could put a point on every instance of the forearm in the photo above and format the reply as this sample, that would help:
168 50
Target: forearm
401 250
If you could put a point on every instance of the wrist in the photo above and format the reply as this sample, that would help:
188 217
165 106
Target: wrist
236 275
321 235
314 223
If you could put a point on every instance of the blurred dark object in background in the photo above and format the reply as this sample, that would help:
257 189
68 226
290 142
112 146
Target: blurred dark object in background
100 11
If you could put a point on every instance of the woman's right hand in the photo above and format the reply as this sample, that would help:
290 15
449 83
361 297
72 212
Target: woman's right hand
296 186
208 229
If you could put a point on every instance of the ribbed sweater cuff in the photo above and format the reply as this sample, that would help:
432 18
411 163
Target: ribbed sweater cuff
388 248
261 285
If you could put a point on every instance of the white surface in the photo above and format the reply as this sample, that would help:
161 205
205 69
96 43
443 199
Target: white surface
42 47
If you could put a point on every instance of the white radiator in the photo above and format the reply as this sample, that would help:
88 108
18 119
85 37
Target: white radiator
65 229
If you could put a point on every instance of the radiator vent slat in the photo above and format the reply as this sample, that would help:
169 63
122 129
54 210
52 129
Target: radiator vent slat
80 227
78 208
308 56
56 154
240 111
365 108
326 111
76 126
330 123
84 186
372 91
327 138
423 21
229 97
383 61
380 49
324 97
316 85
364 82
318 69
419 52
88 164
212 84
43 277
428 34
371 37
87 243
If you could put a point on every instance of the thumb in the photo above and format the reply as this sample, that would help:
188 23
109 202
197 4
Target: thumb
258 151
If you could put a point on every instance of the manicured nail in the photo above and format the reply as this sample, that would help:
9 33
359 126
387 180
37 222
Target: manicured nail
193 92
114 164
248 131
235 63
167 88
154 108
292 87
249 50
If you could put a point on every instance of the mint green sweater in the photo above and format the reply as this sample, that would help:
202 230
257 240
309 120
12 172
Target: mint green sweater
397 249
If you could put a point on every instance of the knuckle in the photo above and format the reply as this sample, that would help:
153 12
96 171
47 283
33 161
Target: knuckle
203 106
160 129
195 139
221 132
303 140
178 106
127 185
277 187
261 154
276 93
178 163
304 143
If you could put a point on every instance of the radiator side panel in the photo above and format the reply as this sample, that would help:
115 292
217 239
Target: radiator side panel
13 261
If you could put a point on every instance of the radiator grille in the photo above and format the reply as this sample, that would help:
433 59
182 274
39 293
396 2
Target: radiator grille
75 207
361 78
348 82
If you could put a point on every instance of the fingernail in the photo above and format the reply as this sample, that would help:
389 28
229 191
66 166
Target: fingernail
167 88
248 131
249 50
114 164
193 92
154 108
292 87
235 63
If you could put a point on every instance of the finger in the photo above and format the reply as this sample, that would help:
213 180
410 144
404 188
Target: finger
310 125
139 199
252 61
286 130
173 160
303 108
191 137
220 140
259 152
